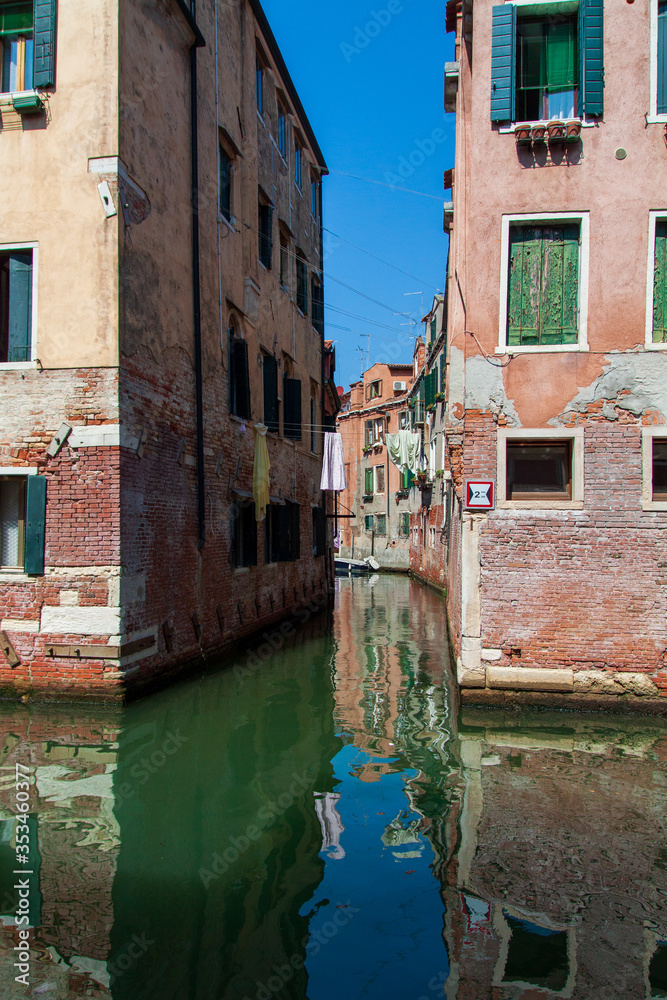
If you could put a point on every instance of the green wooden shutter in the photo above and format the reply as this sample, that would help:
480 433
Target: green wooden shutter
270 376
591 55
662 58
44 34
443 373
503 61
660 285
20 307
368 488
543 294
292 421
35 525
295 530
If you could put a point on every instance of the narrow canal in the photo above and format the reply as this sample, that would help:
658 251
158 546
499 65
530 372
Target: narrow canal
316 821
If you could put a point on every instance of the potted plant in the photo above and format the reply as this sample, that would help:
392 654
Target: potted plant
439 473
367 450
572 131
439 397
539 133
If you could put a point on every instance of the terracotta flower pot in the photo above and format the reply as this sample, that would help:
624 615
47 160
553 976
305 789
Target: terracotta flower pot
539 133
523 135
556 131
573 131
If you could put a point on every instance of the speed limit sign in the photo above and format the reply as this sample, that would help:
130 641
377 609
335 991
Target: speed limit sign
480 494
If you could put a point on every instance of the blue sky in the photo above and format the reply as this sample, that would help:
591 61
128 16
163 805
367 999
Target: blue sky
370 76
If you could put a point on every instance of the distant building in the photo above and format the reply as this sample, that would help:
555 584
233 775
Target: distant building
377 492
556 363
161 293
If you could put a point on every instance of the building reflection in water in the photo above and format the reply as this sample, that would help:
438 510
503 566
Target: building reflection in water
558 885
327 825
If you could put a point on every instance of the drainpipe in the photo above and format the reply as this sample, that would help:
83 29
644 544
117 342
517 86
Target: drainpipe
196 280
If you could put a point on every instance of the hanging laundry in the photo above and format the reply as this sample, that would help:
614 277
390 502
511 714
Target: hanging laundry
404 449
333 464
260 475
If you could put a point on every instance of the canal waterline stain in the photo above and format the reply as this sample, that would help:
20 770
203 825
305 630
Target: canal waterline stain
331 827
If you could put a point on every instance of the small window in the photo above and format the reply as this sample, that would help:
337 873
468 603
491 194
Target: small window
661 108
319 531
368 482
298 165
379 478
369 522
282 532
381 524
432 533
543 284
374 430
259 78
313 424
16 278
225 185
282 129
284 261
265 216
16 36
404 524
407 479
12 522
539 470
315 187
375 389
403 420
244 534
292 408
659 470
270 387
239 376
318 304
301 282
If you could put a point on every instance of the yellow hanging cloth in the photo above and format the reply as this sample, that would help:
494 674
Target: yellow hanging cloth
260 475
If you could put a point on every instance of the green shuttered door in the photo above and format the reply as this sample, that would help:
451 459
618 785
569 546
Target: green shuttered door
543 285
591 34
660 285
503 60
35 524
44 74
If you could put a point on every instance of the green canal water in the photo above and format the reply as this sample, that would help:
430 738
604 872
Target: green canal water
316 820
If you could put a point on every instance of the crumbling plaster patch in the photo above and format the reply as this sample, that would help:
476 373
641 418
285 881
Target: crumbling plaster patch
485 390
633 382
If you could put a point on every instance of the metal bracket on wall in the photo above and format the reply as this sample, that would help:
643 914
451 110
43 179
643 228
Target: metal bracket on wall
13 659
59 440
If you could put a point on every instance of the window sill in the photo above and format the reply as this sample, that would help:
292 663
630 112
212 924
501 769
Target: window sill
656 119
241 570
652 347
15 576
511 129
22 366
7 98
240 420
654 505
540 505
545 349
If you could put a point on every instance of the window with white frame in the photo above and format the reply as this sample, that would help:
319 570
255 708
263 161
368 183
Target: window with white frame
540 468
654 447
17 288
656 285
544 283
12 521
658 62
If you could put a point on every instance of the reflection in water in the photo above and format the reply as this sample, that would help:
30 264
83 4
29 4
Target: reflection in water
326 827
